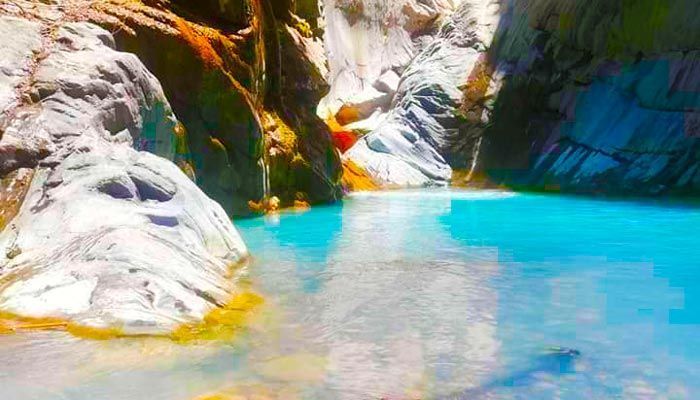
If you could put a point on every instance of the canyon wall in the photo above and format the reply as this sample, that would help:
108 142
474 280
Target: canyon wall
592 97
244 77
119 120
596 97
420 139
123 123
104 215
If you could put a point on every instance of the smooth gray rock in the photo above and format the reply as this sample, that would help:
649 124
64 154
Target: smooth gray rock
416 143
108 234
366 38
20 41
582 96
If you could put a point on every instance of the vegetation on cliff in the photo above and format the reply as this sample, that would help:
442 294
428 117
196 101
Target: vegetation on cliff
227 67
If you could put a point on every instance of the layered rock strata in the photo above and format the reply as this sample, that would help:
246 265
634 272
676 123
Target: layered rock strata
105 229
423 136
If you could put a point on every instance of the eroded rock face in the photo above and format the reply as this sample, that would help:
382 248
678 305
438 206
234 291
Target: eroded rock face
594 97
310 168
210 86
421 139
108 234
597 97
367 41
243 60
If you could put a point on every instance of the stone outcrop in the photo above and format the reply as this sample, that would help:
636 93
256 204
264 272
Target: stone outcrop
303 162
104 229
369 44
422 137
243 60
596 97
211 89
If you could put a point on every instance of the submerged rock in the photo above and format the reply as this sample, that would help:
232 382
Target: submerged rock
108 234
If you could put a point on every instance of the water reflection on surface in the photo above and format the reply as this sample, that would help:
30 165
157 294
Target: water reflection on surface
431 294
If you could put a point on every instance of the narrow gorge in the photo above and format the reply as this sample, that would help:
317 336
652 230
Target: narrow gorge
379 160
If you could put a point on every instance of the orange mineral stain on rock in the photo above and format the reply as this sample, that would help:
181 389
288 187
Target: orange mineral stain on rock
4 329
86 332
13 188
252 392
221 324
347 115
13 323
265 206
355 178
200 43
475 90
333 124
301 205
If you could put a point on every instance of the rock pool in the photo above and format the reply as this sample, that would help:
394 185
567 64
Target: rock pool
425 294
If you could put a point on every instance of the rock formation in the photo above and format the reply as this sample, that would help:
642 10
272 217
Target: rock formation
596 97
420 140
369 44
104 214
252 82
546 95
108 234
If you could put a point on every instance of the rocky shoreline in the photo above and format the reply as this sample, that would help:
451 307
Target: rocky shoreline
132 132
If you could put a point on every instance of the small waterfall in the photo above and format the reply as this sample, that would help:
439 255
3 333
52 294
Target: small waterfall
265 175
475 158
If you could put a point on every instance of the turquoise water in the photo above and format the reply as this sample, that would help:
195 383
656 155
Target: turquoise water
432 295
455 292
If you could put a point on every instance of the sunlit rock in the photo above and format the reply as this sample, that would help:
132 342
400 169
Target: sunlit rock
108 234
242 59
420 139
366 39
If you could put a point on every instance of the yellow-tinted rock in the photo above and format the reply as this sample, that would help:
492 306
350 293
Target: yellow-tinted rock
13 188
223 323
356 179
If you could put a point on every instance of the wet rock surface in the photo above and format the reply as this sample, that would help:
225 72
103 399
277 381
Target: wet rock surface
243 60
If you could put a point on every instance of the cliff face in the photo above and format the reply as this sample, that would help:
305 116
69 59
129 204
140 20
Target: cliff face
420 139
370 43
240 76
597 97
102 230
101 221
563 95
397 71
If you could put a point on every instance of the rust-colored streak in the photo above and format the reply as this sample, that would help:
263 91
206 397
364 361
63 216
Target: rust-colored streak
355 178
13 189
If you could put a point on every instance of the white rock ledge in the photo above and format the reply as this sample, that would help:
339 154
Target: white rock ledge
107 235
